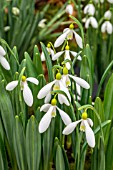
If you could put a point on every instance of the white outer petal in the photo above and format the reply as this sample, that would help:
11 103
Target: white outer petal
4 63
10 86
45 107
27 95
57 55
45 121
62 99
87 23
109 27
91 10
110 1
78 89
63 88
65 118
70 128
86 9
69 9
108 15
2 51
90 122
74 54
33 80
78 39
45 90
94 22
61 38
47 98
89 135
103 27
42 56
52 52
67 55
80 82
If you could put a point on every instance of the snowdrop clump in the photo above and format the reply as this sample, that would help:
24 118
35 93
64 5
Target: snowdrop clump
107 25
90 20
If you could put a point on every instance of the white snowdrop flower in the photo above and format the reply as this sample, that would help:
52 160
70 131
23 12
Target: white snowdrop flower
50 110
3 60
108 15
85 127
68 34
91 21
69 9
110 1
89 9
66 78
15 11
6 28
57 84
50 51
107 27
97 1
42 24
27 94
66 56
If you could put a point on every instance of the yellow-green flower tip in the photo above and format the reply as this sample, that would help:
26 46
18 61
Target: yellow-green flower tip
54 102
71 26
65 71
58 76
23 78
84 115
48 45
67 47
16 116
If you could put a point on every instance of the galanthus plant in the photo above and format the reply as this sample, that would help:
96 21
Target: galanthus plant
85 127
27 94
34 118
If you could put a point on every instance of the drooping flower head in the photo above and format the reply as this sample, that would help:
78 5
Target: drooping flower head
85 126
50 110
56 84
3 60
69 9
27 94
68 34
50 51
67 53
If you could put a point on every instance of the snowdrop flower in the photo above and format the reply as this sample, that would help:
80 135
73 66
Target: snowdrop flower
15 11
85 127
50 51
42 24
57 84
66 78
108 15
107 27
69 9
27 94
91 20
89 9
50 110
110 1
68 34
3 60
97 1
66 56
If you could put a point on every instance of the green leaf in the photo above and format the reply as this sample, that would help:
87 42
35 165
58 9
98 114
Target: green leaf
37 60
59 163
48 62
30 67
33 144
19 144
